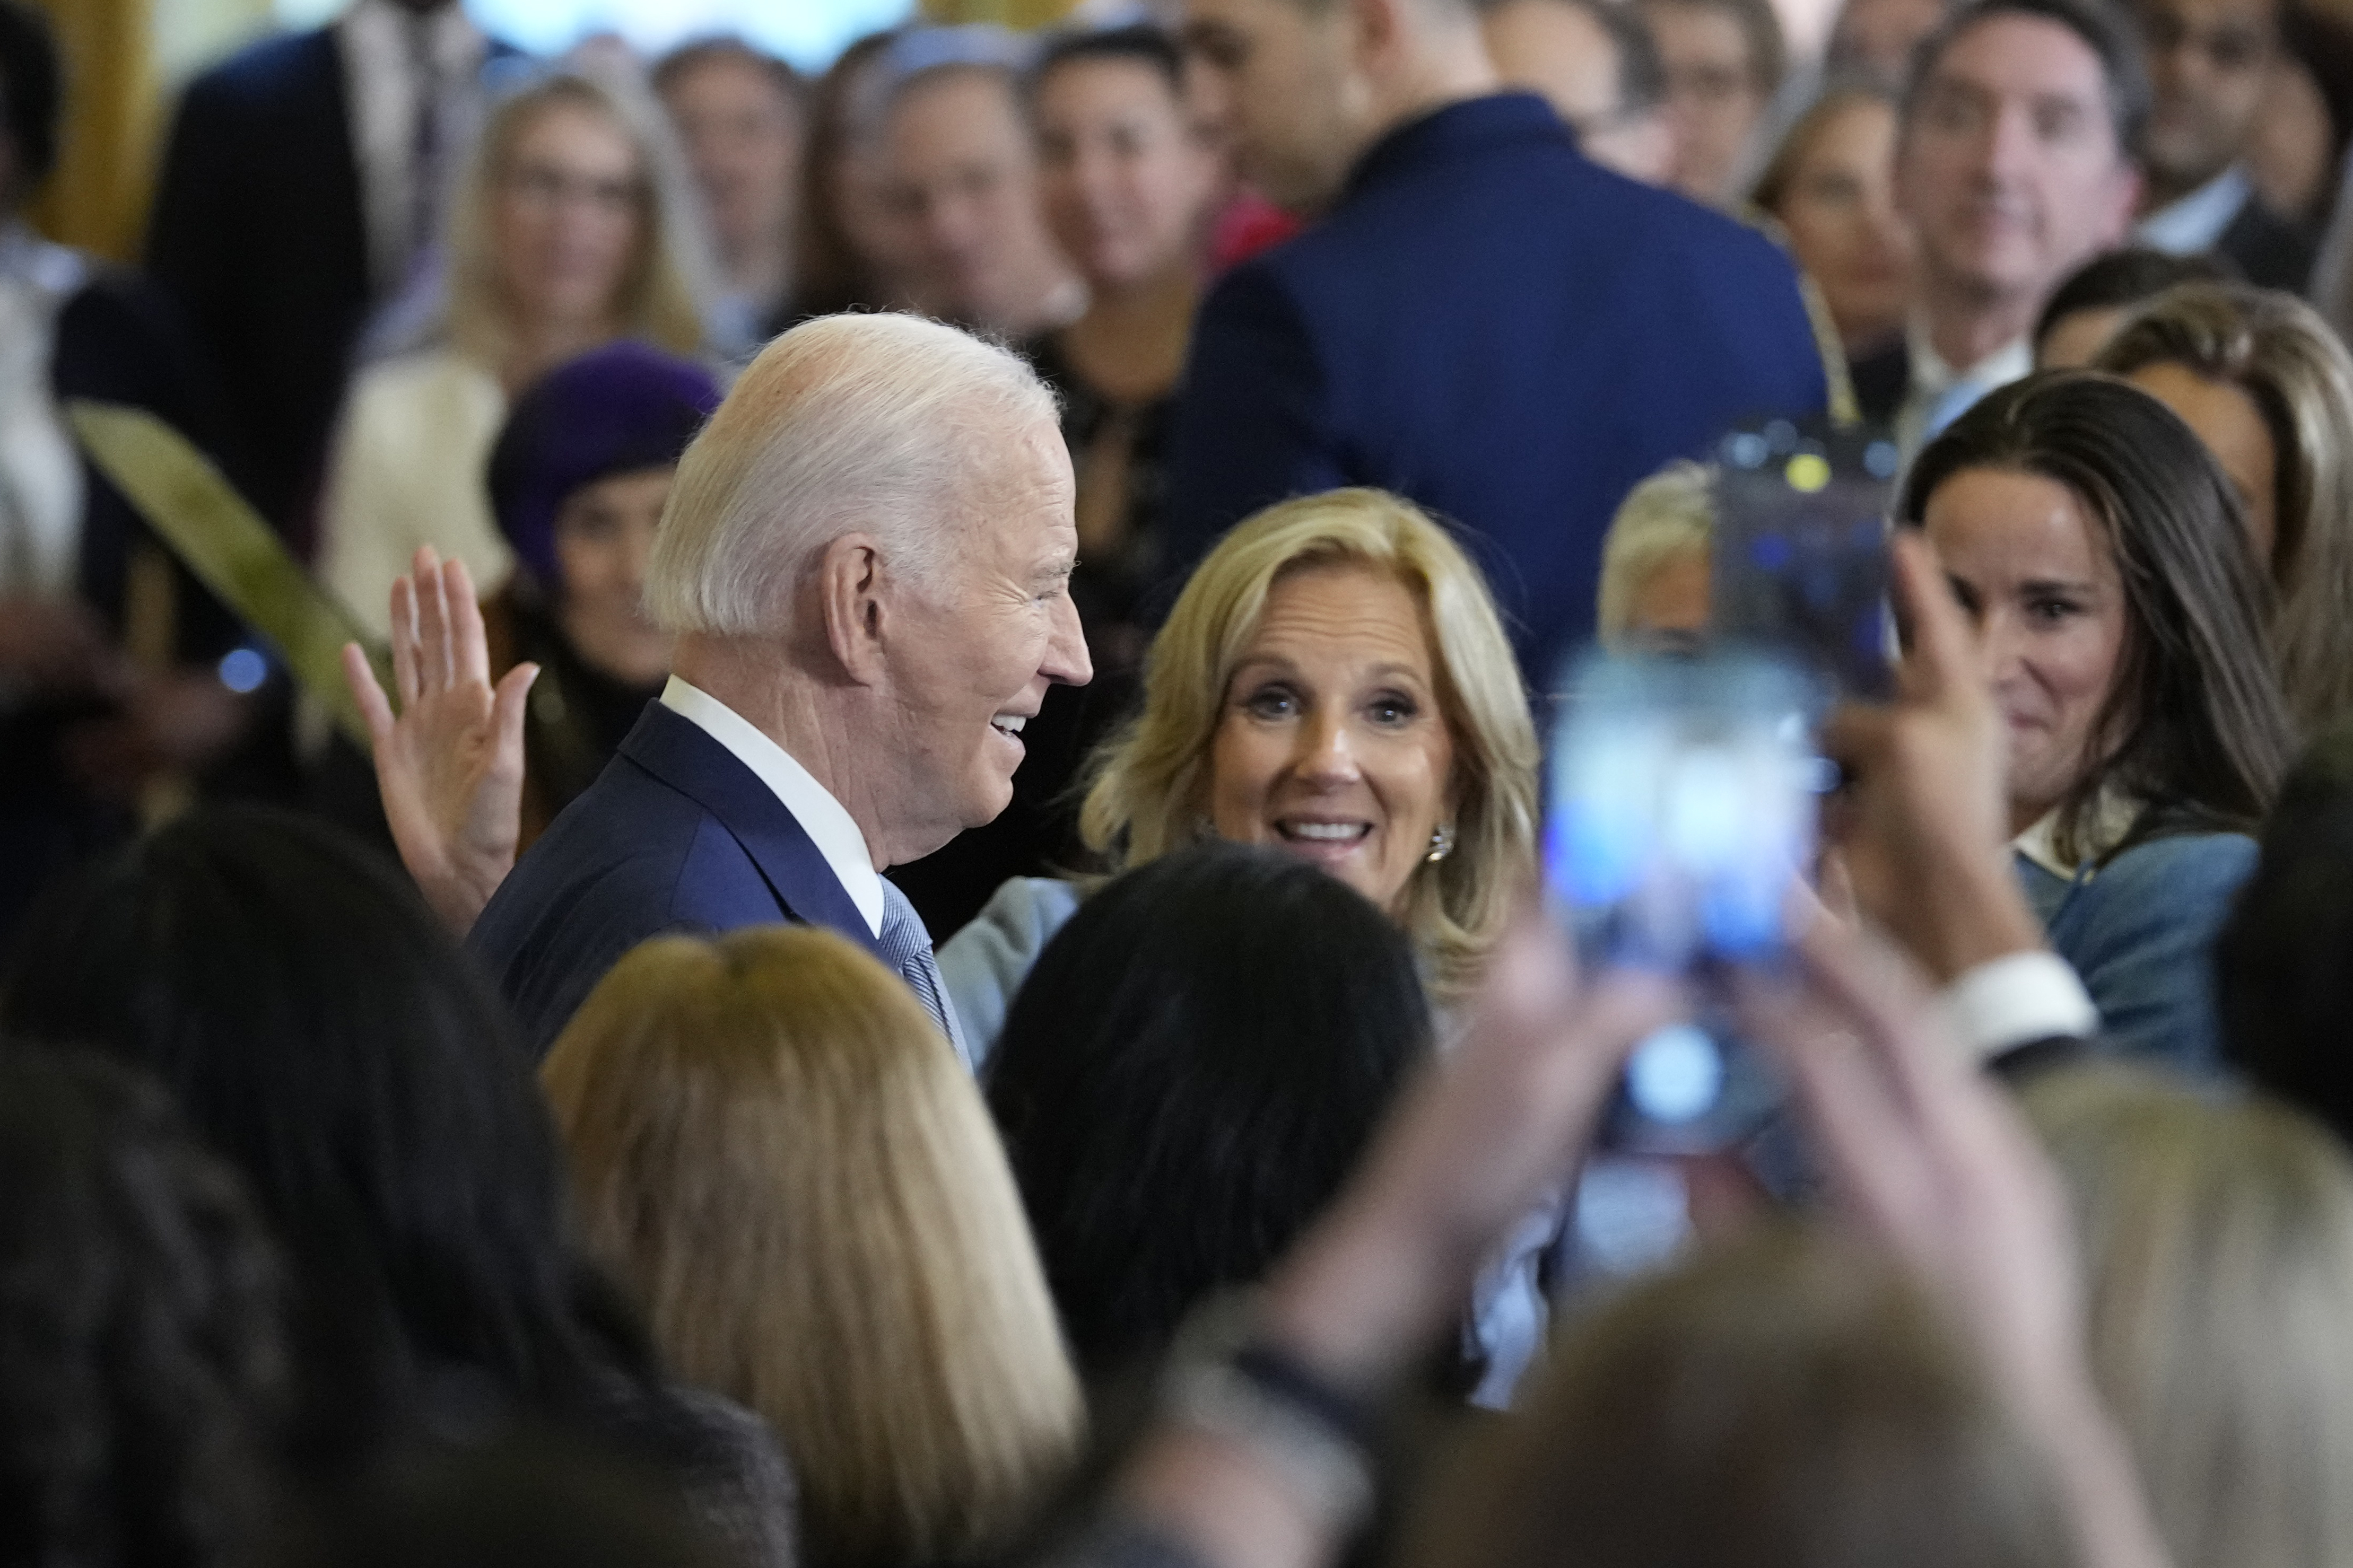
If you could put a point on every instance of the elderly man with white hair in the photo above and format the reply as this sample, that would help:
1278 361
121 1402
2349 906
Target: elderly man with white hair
865 562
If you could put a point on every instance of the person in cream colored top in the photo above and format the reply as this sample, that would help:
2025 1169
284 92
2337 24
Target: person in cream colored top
565 237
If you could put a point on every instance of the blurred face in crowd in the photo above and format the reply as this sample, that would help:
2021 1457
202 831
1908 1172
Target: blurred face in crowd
972 658
742 132
2075 339
2291 148
1669 611
603 532
568 219
1564 54
1876 37
1713 96
2234 431
2031 568
959 179
1126 179
1332 745
1284 70
2009 166
1840 212
2208 63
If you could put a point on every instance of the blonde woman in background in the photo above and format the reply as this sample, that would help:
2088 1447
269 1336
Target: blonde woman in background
570 230
771 1143
2269 388
2218 1244
1655 561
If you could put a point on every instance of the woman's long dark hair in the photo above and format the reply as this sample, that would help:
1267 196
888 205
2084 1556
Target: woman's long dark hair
2194 726
142 1329
324 1033
1186 1077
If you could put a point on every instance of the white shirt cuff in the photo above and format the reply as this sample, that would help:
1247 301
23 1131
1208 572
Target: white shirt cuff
2015 1000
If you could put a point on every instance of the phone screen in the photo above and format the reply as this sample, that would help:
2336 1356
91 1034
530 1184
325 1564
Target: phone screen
1681 803
1800 557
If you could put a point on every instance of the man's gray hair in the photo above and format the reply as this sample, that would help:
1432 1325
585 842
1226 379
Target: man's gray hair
890 425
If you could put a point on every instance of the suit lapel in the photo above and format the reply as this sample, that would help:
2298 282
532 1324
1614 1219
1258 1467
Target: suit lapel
685 756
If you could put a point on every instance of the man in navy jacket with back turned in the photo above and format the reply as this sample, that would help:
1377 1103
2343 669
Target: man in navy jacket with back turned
1480 320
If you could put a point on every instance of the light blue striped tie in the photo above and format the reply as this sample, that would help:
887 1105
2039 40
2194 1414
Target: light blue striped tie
906 946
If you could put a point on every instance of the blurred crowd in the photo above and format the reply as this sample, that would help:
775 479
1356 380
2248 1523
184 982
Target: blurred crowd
917 938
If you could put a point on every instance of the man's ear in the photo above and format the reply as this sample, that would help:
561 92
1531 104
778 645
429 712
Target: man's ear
850 598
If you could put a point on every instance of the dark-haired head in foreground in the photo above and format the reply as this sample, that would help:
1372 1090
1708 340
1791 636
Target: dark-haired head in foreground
2285 964
1188 1075
141 1361
323 1031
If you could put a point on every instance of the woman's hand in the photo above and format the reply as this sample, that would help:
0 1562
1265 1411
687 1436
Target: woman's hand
1918 833
1496 1124
450 767
1493 1125
1931 1162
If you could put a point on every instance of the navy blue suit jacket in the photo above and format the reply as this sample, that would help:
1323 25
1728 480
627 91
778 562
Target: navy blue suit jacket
1500 331
676 835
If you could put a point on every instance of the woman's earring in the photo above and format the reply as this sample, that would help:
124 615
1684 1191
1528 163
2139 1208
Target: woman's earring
1441 845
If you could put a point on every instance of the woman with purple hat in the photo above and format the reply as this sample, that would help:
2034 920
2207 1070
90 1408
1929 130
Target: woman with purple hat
577 481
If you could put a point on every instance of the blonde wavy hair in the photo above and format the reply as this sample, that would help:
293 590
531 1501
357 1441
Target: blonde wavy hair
775 1146
2279 352
2218 1244
1668 516
1151 783
663 292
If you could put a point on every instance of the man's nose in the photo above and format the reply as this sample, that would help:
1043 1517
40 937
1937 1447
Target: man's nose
1067 660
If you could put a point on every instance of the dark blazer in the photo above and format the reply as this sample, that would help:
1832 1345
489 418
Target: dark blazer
258 233
677 835
1499 329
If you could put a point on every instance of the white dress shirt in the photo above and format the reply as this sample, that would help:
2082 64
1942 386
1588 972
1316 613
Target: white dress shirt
2194 224
40 471
1941 393
380 53
825 819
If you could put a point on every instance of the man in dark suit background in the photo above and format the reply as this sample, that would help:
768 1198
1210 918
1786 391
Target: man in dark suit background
1481 321
866 562
303 182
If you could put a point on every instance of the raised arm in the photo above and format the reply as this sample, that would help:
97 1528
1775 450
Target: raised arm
451 765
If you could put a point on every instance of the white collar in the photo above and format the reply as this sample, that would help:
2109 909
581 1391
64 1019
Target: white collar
1931 375
825 819
2189 225
27 258
2112 818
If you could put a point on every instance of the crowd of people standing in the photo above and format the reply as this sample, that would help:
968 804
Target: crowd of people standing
934 956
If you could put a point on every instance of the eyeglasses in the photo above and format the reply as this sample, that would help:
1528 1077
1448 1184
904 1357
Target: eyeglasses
546 189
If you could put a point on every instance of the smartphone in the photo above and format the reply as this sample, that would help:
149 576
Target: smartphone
1683 798
1800 557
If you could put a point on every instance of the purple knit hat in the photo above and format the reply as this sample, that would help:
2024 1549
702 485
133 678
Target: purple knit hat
616 410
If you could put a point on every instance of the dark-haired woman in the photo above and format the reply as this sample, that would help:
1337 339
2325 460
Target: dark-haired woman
2100 552
325 1035
142 1329
1191 1069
